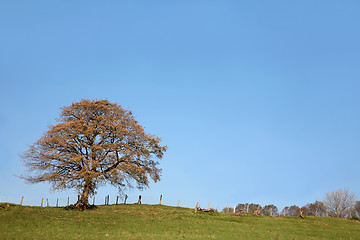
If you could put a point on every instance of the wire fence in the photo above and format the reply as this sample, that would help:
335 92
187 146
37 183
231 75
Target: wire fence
269 210
93 200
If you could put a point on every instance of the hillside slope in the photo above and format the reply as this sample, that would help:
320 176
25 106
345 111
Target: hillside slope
163 222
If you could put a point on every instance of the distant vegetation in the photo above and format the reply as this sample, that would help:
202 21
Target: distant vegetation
340 204
162 222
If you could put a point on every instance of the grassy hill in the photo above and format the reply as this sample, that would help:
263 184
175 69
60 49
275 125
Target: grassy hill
163 222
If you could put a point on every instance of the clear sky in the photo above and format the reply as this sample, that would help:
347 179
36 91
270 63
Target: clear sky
258 101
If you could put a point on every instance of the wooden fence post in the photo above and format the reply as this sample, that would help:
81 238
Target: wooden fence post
42 199
68 201
301 214
126 197
139 201
94 200
284 212
108 199
179 203
270 212
209 205
57 202
196 207
160 199
234 208
117 199
247 208
47 202
316 213
21 200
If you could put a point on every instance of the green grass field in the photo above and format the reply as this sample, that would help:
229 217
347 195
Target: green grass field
163 222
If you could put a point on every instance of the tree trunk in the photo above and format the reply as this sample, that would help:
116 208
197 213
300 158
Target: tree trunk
83 202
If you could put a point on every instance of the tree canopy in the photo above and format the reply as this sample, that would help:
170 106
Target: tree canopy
95 142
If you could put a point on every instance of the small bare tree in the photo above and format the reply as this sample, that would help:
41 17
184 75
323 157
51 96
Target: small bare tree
340 202
357 208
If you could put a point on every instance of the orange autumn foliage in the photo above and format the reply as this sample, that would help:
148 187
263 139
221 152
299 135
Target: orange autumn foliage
94 143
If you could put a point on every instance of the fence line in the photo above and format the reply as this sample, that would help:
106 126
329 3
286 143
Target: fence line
227 209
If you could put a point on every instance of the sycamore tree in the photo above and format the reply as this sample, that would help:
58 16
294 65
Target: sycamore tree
93 144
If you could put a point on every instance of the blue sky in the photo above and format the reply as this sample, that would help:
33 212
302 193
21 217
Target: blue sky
258 101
